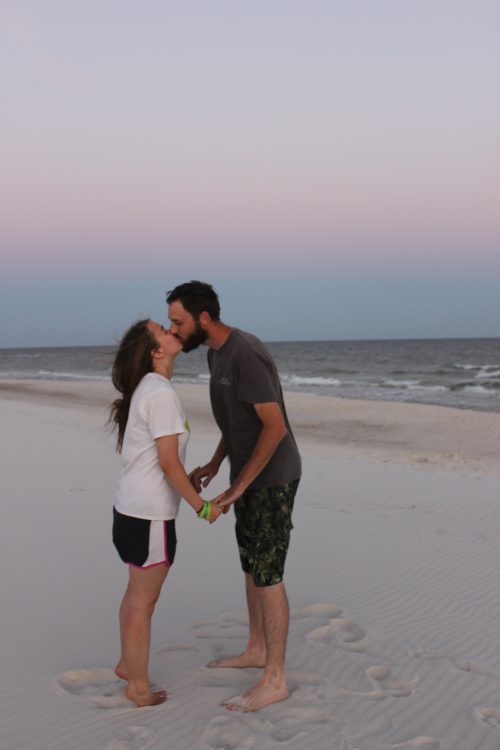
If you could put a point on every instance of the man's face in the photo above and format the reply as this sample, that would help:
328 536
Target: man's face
185 327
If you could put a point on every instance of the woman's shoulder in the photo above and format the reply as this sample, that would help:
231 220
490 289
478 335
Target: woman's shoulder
153 381
151 386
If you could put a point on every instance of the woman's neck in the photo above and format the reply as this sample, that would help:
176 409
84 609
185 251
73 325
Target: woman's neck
164 368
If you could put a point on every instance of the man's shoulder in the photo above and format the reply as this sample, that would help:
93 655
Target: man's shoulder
242 349
248 343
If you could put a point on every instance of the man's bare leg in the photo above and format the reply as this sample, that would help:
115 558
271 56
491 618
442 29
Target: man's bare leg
255 653
271 687
135 630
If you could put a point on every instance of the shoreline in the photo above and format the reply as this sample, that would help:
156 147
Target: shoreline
383 430
36 385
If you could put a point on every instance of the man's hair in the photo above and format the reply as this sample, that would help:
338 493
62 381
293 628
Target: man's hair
196 297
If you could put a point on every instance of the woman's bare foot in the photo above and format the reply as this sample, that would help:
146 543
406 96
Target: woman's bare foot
148 698
246 659
121 672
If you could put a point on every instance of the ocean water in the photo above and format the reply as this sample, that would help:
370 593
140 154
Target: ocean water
463 373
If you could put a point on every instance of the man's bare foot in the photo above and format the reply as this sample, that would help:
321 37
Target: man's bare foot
259 696
246 659
149 698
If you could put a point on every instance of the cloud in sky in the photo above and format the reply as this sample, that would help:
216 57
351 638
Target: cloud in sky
337 136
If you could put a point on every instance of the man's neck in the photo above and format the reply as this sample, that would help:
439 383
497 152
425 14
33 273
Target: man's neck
218 334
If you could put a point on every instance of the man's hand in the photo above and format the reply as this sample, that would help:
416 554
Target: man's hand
202 476
227 498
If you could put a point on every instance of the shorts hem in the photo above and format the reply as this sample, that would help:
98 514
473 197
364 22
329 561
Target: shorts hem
152 565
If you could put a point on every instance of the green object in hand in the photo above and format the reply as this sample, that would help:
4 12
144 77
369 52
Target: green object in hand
205 511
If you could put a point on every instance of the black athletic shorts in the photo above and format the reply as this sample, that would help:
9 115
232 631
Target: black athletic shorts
144 543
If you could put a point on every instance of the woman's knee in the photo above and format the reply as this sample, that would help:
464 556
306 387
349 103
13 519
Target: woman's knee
142 605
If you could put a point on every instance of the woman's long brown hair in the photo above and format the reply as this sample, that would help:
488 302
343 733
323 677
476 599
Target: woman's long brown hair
131 363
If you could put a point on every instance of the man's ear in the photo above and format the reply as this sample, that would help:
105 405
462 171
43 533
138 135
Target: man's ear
204 320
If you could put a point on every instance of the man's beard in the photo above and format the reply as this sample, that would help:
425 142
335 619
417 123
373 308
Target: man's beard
195 339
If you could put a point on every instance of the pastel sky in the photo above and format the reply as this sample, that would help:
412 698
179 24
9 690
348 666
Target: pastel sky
331 166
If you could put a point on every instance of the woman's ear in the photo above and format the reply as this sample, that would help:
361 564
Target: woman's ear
156 353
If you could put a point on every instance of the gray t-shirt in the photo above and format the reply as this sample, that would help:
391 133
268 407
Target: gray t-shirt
243 373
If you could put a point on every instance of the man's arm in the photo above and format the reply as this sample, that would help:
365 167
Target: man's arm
273 431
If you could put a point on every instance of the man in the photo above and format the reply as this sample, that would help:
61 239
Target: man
247 402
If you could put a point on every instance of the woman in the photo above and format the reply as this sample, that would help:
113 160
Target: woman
152 438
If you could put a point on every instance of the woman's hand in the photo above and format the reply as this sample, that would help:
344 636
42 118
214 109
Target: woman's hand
215 510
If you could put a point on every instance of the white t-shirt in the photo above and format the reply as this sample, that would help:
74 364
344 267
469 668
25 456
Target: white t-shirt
143 489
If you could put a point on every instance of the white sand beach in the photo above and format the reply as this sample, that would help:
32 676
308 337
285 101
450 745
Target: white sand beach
392 578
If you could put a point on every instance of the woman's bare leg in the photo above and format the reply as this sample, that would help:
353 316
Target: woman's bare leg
136 610
121 669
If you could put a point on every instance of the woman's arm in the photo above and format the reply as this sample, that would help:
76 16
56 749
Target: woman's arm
168 455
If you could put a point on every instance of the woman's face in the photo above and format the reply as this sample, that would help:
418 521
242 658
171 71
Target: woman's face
167 342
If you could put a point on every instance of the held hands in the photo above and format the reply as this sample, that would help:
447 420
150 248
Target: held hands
227 498
210 511
222 503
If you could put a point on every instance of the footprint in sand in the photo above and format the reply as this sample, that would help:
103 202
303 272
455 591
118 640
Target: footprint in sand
418 743
251 730
134 738
222 630
233 617
176 649
295 721
296 679
359 733
322 609
99 686
489 716
383 686
341 633
463 665
345 744
222 677
381 677
85 683
227 734
217 649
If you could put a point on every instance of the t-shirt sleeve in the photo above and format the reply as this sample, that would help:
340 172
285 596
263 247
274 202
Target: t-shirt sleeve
163 414
256 384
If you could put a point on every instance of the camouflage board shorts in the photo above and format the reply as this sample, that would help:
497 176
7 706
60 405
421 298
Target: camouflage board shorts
263 526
